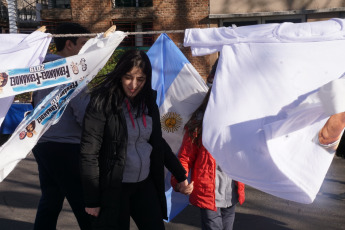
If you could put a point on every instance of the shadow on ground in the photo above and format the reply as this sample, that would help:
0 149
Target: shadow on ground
15 225
190 216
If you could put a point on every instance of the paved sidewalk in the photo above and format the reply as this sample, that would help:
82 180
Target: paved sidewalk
19 196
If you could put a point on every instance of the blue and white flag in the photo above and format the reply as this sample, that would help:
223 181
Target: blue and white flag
180 91
94 55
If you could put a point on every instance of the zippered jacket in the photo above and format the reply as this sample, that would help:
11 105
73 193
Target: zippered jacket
104 150
203 168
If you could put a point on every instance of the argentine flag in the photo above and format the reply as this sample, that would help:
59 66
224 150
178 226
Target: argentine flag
180 91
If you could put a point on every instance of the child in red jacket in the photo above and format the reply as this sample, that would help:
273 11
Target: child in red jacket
211 189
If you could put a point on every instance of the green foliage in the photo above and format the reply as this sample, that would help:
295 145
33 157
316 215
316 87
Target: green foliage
115 58
24 97
109 66
112 62
52 48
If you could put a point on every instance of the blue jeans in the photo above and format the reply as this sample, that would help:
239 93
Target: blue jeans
59 174
223 218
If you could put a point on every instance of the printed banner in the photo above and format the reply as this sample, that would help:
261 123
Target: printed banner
49 74
19 51
79 70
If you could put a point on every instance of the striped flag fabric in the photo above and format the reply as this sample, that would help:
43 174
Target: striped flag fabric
180 91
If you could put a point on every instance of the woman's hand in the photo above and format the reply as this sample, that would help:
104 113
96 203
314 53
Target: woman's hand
333 129
185 188
93 211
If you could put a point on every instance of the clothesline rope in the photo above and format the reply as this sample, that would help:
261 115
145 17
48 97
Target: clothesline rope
127 33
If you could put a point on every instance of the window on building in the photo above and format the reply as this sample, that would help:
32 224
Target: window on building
240 23
27 14
50 4
262 20
138 40
51 25
4 30
281 19
3 12
26 30
132 3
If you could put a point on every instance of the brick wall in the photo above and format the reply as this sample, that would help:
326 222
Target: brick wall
180 15
97 16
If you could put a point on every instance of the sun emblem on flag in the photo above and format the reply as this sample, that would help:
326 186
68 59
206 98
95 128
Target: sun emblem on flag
171 122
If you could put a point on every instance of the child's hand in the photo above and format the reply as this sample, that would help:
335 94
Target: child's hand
185 188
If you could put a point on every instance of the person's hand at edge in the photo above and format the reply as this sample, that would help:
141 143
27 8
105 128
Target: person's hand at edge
93 211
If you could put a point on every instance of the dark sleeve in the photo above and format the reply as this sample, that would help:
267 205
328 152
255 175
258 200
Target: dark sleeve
170 160
91 141
340 152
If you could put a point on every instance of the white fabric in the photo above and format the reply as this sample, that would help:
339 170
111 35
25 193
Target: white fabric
51 108
19 51
264 110
332 96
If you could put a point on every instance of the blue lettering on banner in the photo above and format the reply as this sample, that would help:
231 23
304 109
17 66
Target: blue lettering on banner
56 103
46 66
39 79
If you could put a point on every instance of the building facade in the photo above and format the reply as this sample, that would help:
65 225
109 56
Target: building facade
134 15
165 15
27 17
249 12
3 16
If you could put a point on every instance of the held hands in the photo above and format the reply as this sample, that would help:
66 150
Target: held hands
185 188
93 211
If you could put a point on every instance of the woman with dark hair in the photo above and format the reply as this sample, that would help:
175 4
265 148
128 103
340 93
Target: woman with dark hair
123 152
211 189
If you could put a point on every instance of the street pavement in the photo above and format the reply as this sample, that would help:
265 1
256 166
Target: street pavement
19 196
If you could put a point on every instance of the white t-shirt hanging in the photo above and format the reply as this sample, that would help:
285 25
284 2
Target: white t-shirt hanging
264 111
19 51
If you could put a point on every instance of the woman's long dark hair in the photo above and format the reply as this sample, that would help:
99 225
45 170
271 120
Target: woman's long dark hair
110 89
194 125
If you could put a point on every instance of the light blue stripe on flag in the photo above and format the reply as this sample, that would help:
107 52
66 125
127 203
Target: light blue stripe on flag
180 90
167 60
